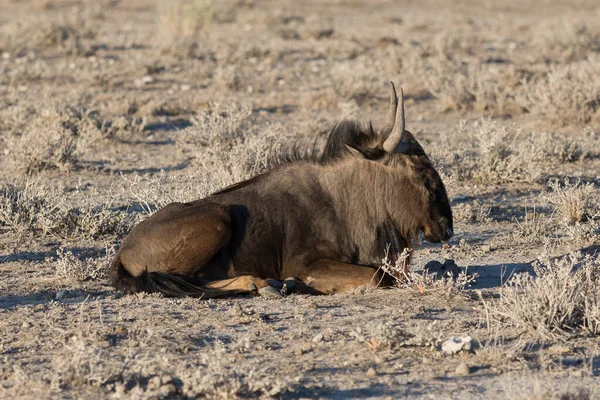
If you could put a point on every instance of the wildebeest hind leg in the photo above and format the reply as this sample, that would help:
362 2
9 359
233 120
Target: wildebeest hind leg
330 276
177 241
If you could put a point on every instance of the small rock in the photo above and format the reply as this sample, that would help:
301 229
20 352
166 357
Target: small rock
269 292
456 344
154 382
61 295
185 87
168 389
318 337
166 379
26 325
120 388
577 373
371 373
462 369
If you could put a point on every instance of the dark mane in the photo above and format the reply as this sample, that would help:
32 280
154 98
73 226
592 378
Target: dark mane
345 133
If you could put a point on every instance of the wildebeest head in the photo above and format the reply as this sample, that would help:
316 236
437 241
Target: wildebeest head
396 148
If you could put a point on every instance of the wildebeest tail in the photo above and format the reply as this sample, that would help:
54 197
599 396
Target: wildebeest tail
170 285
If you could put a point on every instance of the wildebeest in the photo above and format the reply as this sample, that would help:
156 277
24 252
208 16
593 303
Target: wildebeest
327 222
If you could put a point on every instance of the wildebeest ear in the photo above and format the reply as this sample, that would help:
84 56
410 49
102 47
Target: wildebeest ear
411 145
367 152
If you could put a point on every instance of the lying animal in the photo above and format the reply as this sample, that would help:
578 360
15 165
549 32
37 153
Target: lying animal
326 223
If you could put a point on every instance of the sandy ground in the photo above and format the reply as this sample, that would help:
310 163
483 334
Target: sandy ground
147 70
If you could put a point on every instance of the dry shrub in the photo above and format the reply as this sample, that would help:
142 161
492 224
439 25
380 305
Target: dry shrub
470 87
151 193
578 209
446 277
36 209
216 380
566 95
533 226
560 301
220 122
574 202
475 212
227 145
70 33
555 148
565 40
187 18
502 158
74 269
53 139
355 82
380 333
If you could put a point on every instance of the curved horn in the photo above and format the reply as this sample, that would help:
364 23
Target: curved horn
391 117
397 134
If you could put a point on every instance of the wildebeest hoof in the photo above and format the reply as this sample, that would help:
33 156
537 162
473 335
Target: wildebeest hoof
270 292
289 285
275 283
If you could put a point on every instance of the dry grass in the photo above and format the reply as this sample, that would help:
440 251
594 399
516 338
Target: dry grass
566 94
111 110
36 210
574 202
560 301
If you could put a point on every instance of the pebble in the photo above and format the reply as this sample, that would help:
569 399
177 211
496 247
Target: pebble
120 388
318 337
371 373
154 382
456 344
462 369
269 292
26 325
577 373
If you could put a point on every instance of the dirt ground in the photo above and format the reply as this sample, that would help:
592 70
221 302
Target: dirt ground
111 109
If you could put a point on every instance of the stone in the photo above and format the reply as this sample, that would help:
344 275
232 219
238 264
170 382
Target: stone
269 292
462 369
457 344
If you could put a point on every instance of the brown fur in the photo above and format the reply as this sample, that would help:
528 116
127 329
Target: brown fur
326 221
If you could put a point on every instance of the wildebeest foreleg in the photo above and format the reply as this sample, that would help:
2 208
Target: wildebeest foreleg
330 276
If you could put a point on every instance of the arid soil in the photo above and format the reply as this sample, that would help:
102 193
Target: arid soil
111 109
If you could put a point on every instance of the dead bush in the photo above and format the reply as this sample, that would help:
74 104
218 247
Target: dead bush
53 139
75 269
380 333
561 300
36 209
534 226
566 40
151 193
573 202
445 277
70 33
566 95
227 146
502 157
